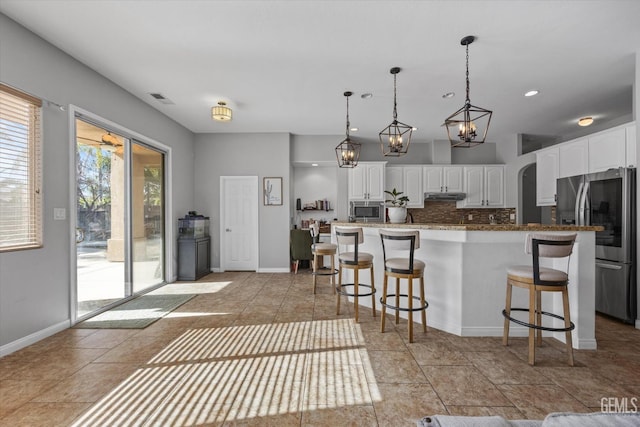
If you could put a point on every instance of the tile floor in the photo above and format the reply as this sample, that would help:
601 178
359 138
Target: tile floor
260 349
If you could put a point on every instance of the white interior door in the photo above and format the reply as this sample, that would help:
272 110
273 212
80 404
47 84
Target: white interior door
239 223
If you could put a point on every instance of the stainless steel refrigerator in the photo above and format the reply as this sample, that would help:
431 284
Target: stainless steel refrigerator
607 199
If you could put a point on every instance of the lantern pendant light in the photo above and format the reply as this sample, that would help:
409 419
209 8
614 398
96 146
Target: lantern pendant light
348 152
395 138
468 126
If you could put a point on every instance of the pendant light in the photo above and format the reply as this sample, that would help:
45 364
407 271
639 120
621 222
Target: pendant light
468 126
348 152
395 138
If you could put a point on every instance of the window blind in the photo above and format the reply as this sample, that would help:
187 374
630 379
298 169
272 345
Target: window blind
20 170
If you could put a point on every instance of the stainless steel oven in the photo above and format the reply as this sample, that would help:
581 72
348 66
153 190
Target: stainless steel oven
366 211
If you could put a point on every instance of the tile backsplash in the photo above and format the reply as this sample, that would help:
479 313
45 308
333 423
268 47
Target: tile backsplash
438 212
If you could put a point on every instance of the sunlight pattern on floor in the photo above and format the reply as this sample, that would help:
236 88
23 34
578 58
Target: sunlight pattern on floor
232 373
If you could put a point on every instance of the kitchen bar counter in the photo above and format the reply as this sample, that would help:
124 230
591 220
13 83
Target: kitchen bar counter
473 227
465 275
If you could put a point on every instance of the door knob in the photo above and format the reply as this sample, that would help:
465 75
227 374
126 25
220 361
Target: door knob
227 230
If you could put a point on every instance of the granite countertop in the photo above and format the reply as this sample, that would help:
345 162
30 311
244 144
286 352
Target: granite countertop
473 227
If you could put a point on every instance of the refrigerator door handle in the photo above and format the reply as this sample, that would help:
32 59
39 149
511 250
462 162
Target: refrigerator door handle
608 266
578 204
583 205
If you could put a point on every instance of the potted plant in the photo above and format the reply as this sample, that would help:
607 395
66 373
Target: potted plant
397 206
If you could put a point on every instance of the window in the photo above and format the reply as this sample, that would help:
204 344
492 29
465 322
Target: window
20 170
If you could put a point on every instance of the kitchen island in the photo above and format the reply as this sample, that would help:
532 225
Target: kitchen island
465 275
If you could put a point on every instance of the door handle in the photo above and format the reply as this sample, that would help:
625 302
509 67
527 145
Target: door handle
608 266
227 230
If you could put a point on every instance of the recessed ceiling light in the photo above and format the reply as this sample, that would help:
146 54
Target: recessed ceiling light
585 121
449 95
366 95
354 129
314 164
532 92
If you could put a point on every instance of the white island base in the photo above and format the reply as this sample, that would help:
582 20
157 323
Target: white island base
465 278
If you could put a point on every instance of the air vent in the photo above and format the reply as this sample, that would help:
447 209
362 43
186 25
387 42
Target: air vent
160 97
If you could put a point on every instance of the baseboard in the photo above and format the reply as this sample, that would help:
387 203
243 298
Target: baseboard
274 270
493 331
33 338
637 323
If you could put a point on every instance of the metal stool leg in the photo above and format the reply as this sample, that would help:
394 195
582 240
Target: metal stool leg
355 291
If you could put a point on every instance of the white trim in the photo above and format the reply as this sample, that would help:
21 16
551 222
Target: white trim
73 220
273 270
33 338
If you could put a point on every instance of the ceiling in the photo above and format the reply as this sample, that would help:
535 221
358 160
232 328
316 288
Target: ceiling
282 66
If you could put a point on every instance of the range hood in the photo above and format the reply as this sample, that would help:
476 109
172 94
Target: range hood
445 196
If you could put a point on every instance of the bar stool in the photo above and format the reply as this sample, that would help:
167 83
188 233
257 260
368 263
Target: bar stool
322 250
352 237
403 268
536 280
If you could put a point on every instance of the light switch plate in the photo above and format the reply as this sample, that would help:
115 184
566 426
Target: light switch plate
59 214
512 217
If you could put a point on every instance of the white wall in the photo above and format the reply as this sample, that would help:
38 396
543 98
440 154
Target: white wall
35 284
255 154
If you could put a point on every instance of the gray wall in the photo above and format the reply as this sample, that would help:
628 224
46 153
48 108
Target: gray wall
254 154
35 284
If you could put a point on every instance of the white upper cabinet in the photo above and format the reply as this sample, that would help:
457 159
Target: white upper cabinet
573 158
412 180
607 150
631 146
442 179
546 176
366 181
484 186
393 178
494 186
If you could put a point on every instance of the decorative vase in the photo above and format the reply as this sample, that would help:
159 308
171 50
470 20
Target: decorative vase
397 215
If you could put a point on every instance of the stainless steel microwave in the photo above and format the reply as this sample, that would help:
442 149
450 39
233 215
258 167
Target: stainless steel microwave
366 211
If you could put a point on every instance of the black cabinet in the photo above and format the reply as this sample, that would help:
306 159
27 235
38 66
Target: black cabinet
194 255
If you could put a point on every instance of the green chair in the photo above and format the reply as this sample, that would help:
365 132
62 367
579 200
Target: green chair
300 242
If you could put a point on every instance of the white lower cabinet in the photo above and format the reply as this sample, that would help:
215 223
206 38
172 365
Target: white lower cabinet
484 186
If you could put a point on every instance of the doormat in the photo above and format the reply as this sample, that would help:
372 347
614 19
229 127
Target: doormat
138 313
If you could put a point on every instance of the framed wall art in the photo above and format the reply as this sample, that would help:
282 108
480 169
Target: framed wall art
272 190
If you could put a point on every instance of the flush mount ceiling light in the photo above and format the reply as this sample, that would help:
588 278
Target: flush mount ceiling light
532 92
221 112
585 121
468 126
395 138
348 152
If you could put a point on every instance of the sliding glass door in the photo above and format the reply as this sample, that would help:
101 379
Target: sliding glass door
120 215
147 206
